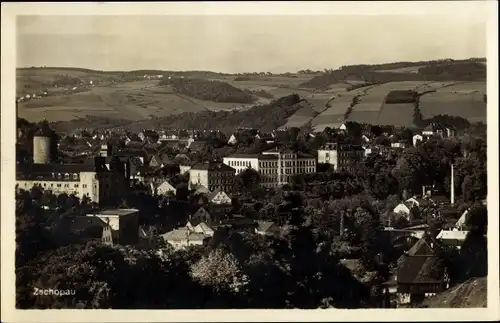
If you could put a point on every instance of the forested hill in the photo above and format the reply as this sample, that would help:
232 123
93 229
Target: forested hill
473 69
266 117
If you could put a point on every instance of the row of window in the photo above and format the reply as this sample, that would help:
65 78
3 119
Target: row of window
239 163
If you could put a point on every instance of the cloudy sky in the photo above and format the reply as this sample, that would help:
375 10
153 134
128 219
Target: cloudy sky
243 43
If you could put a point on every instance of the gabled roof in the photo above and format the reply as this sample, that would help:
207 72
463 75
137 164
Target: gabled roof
183 234
419 265
213 194
264 226
463 219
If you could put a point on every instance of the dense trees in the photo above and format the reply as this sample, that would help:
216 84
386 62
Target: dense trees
208 90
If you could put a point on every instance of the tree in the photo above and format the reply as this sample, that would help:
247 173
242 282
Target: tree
247 180
221 271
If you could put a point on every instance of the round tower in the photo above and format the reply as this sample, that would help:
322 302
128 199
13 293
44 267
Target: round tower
42 146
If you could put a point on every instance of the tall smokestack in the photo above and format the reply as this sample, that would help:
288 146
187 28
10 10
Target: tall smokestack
423 191
452 197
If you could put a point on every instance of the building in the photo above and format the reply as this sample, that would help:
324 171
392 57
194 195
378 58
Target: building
417 138
92 181
437 129
418 274
218 197
454 238
184 237
212 175
124 223
341 156
267 228
241 162
276 167
165 188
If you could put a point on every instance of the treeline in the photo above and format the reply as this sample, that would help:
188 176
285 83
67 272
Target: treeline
439 71
207 90
266 118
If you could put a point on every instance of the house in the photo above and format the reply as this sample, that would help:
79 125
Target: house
437 129
201 215
343 127
267 228
165 188
125 222
419 274
159 160
200 227
398 144
237 224
78 228
183 238
241 162
417 138
212 175
218 197
149 136
453 237
196 146
232 140
132 138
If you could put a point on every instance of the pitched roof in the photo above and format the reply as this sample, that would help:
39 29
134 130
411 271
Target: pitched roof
463 219
205 228
183 234
421 248
264 226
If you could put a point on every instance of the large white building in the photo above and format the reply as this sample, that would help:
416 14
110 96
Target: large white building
275 167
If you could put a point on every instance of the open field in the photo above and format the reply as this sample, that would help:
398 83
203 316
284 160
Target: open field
399 114
364 116
115 96
469 106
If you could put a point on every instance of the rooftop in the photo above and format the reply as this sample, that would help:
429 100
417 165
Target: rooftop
119 212
212 166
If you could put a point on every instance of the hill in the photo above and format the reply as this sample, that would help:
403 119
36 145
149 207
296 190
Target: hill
472 293
362 93
209 90
265 117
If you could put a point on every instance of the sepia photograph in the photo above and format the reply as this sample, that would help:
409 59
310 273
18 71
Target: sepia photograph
246 161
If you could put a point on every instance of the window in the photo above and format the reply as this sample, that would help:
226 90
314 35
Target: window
84 185
58 185
66 185
76 185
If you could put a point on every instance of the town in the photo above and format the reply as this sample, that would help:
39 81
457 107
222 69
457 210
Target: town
358 216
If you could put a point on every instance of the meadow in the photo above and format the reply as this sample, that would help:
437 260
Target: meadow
122 95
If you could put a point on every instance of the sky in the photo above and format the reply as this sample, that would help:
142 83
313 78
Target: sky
233 44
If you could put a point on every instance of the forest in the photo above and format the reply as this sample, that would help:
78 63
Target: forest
209 90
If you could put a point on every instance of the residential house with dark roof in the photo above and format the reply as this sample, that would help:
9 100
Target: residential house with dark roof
419 273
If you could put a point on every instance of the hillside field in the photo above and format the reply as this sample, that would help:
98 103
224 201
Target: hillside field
126 95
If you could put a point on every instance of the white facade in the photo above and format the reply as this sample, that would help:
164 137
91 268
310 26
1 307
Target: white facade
417 138
232 140
164 188
328 156
221 198
242 163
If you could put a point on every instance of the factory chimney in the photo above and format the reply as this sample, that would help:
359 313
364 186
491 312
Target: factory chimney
452 189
